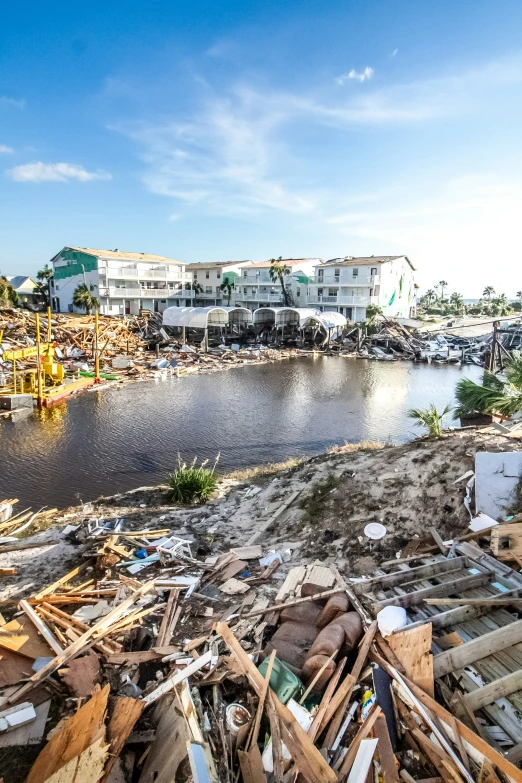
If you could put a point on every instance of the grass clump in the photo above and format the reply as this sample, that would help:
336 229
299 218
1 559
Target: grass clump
430 418
190 484
313 504
264 471
351 448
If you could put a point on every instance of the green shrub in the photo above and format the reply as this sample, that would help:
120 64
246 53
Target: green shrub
192 484
430 418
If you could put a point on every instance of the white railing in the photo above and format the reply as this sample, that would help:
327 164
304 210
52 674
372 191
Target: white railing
259 296
145 293
345 280
264 280
342 300
133 273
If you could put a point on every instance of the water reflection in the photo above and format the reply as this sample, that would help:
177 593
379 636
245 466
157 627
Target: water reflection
105 442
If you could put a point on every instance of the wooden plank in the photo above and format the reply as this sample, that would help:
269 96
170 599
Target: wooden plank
262 697
251 765
125 713
362 733
413 649
453 616
512 533
275 516
13 667
277 743
42 628
21 636
498 689
384 749
297 602
446 588
177 677
469 736
64 579
410 575
169 749
438 540
84 729
325 701
107 623
492 642
489 602
343 693
437 757
361 766
82 675
306 756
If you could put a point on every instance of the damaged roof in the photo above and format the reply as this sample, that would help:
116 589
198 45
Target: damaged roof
361 260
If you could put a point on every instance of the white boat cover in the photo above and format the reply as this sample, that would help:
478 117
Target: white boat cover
330 320
282 315
201 317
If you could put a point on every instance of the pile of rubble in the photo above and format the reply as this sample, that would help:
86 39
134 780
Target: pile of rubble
165 656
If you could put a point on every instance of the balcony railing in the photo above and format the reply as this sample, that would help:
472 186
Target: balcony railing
146 293
342 300
134 273
330 279
264 280
257 296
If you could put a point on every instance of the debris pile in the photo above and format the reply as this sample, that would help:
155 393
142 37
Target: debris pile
168 656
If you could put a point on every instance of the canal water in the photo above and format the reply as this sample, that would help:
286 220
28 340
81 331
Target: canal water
104 442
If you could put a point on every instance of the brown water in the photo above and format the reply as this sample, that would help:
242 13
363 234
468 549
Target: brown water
104 442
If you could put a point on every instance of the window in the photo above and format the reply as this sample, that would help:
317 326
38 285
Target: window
57 287
195 275
298 292
320 273
373 271
208 289
319 292
245 275
355 272
218 274
207 275
337 272
245 290
332 292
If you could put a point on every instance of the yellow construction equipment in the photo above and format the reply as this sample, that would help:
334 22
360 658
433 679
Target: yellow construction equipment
52 372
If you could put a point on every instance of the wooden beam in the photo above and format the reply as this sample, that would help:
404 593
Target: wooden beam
498 689
480 745
49 637
446 588
411 575
489 643
64 579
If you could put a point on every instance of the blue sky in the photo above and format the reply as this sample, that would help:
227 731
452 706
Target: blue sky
227 130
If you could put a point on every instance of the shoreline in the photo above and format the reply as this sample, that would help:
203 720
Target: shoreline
319 507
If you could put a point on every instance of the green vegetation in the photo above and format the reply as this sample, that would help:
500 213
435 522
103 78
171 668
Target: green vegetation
227 286
195 286
492 305
42 286
277 273
191 484
430 418
8 296
313 503
83 298
494 396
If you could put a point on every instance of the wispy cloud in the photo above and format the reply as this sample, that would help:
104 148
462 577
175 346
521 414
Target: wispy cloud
358 76
5 100
5 150
394 53
243 150
54 172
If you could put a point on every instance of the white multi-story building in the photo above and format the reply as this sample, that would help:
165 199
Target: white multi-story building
123 282
255 288
349 285
210 276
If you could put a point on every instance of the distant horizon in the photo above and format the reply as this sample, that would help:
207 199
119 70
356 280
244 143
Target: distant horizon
201 132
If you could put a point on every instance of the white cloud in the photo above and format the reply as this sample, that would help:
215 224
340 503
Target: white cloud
394 53
5 100
358 76
54 172
5 150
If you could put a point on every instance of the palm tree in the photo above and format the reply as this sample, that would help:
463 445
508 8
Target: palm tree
195 286
83 298
227 287
42 287
430 418
488 292
495 395
277 272
519 295
442 285
457 301
430 295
